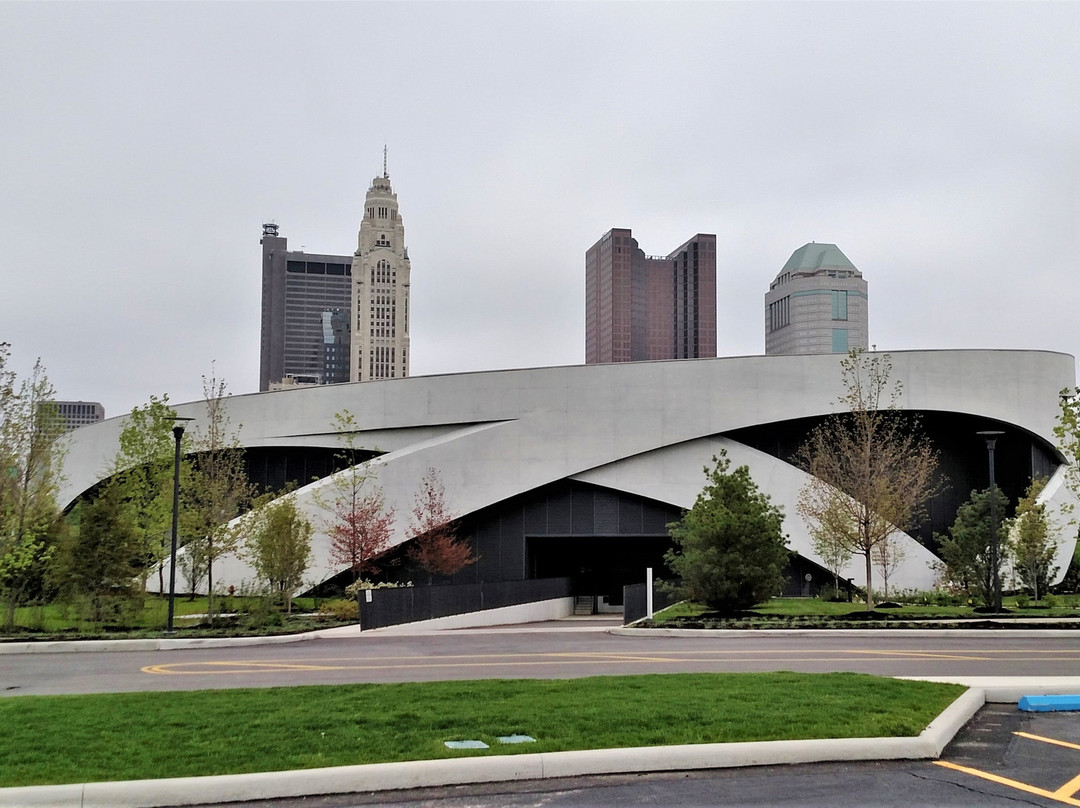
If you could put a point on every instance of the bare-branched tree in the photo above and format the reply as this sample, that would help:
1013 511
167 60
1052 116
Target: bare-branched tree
218 488
359 523
437 547
870 467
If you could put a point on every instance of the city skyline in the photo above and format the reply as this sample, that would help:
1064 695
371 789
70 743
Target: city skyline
933 142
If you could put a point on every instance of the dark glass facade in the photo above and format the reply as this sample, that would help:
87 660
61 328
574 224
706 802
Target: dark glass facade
306 299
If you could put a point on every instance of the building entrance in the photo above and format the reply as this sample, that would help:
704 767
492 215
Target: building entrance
599 566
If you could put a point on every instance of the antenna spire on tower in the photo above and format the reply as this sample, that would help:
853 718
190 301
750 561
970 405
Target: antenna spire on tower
385 174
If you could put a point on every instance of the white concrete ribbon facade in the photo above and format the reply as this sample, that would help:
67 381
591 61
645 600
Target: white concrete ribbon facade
645 429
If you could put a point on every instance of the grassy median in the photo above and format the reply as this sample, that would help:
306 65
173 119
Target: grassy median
126 736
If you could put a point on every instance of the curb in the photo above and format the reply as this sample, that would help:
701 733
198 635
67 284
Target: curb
166 644
160 644
427 773
743 633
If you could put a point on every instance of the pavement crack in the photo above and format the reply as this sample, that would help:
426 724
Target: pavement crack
1019 800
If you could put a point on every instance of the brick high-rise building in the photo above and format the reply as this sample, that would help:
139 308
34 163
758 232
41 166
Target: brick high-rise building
641 307
817 304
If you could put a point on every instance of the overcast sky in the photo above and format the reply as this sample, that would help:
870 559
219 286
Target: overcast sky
143 144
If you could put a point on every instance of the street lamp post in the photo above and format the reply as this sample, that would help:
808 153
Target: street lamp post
991 437
178 434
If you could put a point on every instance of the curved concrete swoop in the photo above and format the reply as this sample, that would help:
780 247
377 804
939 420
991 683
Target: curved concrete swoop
642 430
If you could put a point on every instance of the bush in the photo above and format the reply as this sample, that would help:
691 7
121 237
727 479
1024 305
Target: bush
729 548
932 597
345 610
1022 601
830 594
353 590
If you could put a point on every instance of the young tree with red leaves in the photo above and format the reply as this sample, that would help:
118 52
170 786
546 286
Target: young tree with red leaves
360 532
360 523
437 548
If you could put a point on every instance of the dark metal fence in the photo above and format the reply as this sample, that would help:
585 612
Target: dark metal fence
635 603
408 604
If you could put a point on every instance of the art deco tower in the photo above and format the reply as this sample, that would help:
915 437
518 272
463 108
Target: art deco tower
380 288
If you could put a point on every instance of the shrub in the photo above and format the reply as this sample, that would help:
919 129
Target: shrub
1022 601
353 590
729 549
345 610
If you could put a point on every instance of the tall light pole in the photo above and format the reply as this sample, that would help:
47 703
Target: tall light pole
178 434
991 437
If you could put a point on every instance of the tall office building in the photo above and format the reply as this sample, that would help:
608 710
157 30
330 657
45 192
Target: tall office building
306 298
640 307
380 283
74 414
817 304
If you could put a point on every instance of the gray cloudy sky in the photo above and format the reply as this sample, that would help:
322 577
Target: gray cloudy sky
143 144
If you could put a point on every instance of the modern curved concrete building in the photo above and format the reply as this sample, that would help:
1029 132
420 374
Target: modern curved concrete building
576 470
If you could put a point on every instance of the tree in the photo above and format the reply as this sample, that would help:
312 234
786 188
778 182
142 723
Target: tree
100 560
730 551
30 459
359 524
436 548
217 489
966 550
143 471
1033 549
888 556
1067 433
870 467
834 553
278 544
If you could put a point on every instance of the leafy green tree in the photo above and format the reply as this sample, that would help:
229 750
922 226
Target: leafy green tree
99 562
966 550
730 551
1067 433
30 464
278 545
217 489
1033 549
143 472
870 468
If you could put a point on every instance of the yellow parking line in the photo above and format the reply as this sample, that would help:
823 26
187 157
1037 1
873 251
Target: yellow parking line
1005 781
1070 788
1053 741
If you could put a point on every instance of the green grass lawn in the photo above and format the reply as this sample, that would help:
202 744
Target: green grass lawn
800 610
63 739
57 621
